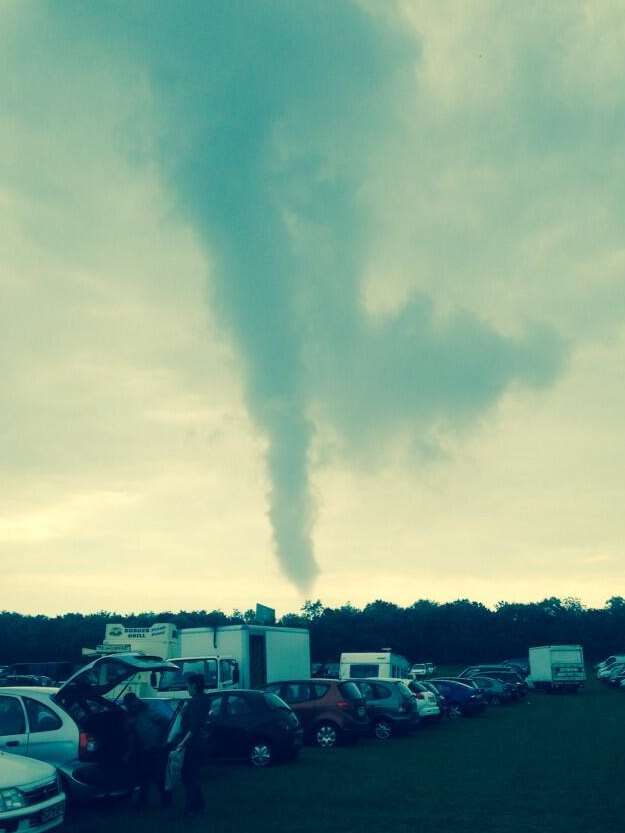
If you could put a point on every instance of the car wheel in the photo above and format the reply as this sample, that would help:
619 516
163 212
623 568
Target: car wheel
495 700
383 729
454 712
326 735
260 754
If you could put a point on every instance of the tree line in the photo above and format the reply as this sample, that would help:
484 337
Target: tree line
452 632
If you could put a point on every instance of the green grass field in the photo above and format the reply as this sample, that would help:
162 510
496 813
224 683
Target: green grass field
551 763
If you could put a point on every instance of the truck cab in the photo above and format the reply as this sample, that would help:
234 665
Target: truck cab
218 672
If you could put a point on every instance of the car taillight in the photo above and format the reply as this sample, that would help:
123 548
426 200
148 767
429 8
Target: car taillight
344 704
87 745
420 695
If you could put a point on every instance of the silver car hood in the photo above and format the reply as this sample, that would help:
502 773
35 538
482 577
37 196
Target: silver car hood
16 771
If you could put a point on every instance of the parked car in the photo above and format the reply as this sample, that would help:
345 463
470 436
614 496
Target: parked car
470 681
519 664
615 676
74 727
605 674
330 711
611 660
505 676
29 680
31 797
472 669
247 724
54 672
495 691
461 698
439 697
427 702
617 679
391 705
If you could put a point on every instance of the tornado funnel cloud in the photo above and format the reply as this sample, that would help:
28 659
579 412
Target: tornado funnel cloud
291 507
272 125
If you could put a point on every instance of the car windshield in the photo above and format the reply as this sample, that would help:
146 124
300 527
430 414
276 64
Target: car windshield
177 680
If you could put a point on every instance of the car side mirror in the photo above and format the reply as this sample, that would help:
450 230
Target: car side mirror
236 675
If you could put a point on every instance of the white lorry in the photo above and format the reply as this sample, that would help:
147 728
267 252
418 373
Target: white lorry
243 656
557 667
373 664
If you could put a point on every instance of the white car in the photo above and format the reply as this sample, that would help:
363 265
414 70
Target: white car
609 662
31 798
610 671
427 704
74 727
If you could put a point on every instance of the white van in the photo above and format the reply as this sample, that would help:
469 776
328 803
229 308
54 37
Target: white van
378 664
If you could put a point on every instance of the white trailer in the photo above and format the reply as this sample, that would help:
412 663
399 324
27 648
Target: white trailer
373 664
554 667
244 656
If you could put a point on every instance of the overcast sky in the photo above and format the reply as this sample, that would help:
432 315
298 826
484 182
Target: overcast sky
311 299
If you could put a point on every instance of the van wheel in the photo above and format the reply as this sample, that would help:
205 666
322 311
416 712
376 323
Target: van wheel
383 729
326 735
260 754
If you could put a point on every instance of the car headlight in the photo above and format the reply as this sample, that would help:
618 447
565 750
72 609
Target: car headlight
12 799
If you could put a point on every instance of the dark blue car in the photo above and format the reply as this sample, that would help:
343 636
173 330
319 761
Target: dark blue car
460 698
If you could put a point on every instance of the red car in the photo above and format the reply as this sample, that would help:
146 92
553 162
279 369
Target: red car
330 711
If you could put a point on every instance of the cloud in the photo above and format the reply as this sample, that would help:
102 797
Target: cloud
292 137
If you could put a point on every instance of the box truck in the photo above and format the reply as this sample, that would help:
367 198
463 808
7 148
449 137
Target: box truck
554 667
231 656
373 664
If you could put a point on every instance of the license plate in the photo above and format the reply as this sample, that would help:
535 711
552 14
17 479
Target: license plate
49 813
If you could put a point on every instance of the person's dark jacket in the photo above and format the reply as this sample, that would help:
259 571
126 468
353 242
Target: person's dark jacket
149 729
195 719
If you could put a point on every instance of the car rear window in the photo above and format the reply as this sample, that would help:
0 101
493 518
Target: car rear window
275 702
350 691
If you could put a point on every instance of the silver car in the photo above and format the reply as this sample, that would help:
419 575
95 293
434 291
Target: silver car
74 727
31 798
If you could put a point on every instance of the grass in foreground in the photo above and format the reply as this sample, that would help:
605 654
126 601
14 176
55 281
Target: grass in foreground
552 763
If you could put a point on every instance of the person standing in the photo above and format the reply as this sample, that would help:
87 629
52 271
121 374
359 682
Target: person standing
148 748
194 742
